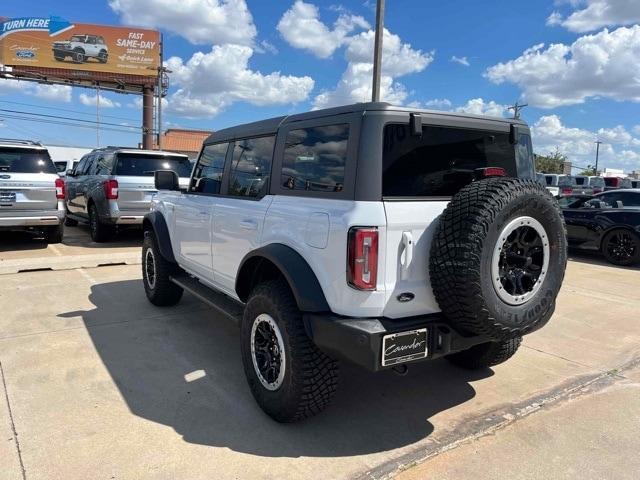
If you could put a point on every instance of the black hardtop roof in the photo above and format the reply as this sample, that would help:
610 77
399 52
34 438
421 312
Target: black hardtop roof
271 125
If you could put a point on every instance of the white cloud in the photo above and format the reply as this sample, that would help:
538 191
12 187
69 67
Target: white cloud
477 106
207 83
266 46
59 93
617 151
199 21
600 65
435 104
301 27
92 101
461 60
595 14
398 59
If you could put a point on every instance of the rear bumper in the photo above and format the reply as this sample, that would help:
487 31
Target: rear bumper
124 217
359 340
32 219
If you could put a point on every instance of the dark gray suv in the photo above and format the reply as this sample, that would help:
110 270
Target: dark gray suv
113 186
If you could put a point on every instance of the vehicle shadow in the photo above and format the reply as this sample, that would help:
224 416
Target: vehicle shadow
79 236
20 241
181 367
594 258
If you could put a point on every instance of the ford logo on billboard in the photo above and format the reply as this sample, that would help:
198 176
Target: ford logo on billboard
25 54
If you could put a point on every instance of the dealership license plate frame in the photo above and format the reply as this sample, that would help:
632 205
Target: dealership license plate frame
7 198
405 339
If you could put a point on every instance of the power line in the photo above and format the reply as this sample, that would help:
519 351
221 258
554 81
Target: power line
44 115
71 124
68 110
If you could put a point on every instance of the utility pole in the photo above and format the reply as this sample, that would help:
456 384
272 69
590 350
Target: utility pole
598 142
517 109
377 51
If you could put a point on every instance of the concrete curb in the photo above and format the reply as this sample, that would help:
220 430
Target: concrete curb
69 262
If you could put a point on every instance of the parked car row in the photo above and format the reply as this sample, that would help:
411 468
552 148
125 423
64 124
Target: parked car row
608 222
107 187
583 185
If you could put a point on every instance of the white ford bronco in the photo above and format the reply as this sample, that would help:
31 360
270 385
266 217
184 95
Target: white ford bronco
80 48
372 234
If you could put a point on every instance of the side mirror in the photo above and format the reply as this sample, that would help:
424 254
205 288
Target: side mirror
415 125
70 173
166 180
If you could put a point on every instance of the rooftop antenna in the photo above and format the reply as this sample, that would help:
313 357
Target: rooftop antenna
517 108
377 51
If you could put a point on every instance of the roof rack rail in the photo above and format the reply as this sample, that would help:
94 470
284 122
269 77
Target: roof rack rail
116 147
18 141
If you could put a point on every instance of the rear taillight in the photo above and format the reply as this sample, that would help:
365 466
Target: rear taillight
490 172
60 189
111 189
362 258
566 190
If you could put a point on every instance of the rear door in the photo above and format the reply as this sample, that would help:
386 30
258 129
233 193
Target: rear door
72 183
134 173
420 175
27 180
238 216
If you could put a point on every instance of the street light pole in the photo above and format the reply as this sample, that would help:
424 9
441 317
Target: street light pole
598 142
377 51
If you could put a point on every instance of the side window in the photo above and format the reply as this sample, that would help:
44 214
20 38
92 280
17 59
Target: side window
91 165
251 167
104 165
82 166
315 158
630 199
207 176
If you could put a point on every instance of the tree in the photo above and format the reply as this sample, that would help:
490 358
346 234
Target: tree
590 171
551 163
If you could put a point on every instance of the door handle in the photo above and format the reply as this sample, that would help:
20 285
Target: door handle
406 256
248 224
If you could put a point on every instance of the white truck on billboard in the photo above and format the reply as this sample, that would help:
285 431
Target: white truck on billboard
80 48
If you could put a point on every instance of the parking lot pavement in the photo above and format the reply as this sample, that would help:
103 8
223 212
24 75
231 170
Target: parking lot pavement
101 384
21 251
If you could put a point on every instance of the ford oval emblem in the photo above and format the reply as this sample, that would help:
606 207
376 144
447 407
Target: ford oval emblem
405 297
25 54
5 177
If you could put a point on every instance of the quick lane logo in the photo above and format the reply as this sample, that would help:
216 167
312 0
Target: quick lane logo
54 25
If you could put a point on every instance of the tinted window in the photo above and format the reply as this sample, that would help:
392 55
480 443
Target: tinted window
251 167
24 160
550 179
207 176
79 169
144 165
581 181
315 158
596 182
104 165
524 157
442 160
567 181
630 199
61 167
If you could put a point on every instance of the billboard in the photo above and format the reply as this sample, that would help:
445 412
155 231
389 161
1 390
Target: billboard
54 43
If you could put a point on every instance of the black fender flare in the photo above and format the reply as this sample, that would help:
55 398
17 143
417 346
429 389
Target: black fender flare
155 221
301 279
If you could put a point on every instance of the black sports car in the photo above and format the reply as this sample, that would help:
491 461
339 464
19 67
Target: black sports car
608 222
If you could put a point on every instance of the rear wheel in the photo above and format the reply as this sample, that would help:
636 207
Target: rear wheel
54 234
100 232
621 247
486 355
289 377
156 272
102 56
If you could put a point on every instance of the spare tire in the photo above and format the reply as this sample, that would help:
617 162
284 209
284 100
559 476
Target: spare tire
498 258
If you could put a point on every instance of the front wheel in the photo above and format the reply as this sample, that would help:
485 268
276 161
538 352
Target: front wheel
78 56
486 355
289 377
156 272
621 247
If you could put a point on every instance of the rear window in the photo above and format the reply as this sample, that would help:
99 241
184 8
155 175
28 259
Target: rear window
567 181
444 159
581 181
596 182
143 165
23 160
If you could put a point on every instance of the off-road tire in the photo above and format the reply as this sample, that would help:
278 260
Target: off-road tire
162 292
462 251
54 234
485 355
310 378
622 262
78 56
100 232
103 56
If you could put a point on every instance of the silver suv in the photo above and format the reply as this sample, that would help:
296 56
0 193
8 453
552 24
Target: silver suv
113 186
31 192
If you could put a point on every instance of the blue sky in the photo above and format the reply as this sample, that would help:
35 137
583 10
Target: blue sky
574 61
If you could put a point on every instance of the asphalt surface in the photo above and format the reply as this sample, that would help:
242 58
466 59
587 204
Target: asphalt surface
98 383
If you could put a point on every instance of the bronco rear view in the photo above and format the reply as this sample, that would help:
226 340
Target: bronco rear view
372 234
